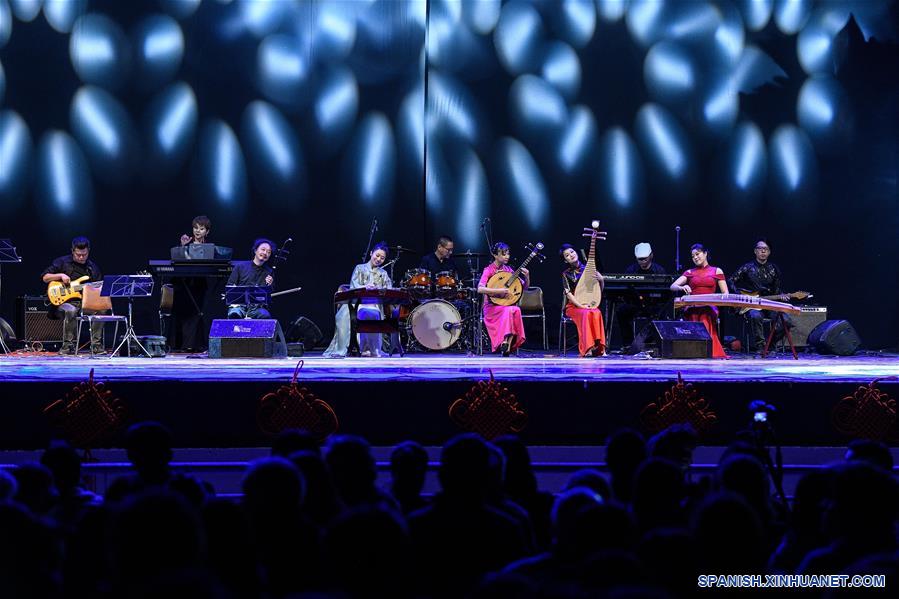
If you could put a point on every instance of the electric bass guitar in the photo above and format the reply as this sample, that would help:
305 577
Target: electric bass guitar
511 281
59 293
588 291
783 297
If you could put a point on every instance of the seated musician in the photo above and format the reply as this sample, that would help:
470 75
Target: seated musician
190 296
441 259
591 335
640 307
701 280
255 273
759 277
504 324
369 276
66 269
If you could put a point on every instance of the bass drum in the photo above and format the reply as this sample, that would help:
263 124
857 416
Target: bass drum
436 324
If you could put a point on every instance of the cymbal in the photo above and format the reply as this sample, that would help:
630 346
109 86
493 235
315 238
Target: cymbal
470 254
400 249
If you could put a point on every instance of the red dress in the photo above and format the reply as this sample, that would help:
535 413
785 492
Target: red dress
701 281
588 321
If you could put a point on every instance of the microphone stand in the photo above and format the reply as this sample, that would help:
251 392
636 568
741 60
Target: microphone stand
486 227
390 264
677 265
371 235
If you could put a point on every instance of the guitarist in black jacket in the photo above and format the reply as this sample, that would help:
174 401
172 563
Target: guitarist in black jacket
66 269
759 277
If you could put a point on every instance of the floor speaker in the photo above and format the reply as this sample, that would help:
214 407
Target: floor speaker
805 322
834 337
302 330
9 337
246 338
674 339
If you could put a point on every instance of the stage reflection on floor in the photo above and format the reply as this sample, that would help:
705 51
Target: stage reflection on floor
452 367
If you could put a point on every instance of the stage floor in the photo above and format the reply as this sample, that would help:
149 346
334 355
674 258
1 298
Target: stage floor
542 367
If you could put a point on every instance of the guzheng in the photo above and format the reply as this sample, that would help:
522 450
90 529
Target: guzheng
363 295
735 300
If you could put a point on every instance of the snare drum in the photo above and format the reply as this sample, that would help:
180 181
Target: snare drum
436 324
447 285
418 282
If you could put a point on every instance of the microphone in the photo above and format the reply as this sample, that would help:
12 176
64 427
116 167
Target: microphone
449 326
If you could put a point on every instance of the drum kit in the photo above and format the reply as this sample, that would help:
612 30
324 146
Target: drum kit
444 314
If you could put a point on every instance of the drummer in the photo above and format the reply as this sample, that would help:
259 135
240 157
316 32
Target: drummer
441 259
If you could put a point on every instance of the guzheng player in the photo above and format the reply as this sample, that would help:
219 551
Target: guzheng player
369 275
703 279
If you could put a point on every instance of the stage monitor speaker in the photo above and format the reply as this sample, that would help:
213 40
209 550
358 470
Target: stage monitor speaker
246 338
804 323
674 339
834 337
302 330
32 322
9 337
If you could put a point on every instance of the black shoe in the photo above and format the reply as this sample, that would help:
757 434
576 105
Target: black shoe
67 350
98 350
506 346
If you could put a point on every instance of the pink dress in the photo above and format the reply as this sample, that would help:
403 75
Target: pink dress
501 320
701 281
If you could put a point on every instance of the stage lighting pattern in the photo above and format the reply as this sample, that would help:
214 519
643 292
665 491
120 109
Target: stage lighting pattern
314 64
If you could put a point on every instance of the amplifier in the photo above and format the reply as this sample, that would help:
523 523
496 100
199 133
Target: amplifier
246 338
32 323
804 323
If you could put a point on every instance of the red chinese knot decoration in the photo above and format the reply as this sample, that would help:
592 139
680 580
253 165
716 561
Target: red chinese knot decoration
869 413
681 404
489 409
292 406
88 413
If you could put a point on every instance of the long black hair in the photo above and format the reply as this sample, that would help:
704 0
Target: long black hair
381 245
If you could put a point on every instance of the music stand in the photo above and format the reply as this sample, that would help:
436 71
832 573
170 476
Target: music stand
247 295
129 286
8 255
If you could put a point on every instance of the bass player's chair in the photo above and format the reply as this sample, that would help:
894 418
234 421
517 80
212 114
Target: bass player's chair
93 301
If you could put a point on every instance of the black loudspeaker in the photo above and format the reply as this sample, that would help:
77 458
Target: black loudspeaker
674 339
304 331
804 323
32 322
246 338
9 337
834 337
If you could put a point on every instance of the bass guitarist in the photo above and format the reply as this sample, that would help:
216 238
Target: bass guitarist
65 269
759 277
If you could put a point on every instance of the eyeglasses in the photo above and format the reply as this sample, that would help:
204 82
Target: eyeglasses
763 249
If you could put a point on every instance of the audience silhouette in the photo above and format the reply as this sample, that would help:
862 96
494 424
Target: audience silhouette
314 522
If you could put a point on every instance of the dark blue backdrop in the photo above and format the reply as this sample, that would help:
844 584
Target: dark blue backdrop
123 120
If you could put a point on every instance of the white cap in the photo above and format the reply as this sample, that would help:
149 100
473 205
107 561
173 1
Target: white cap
642 250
